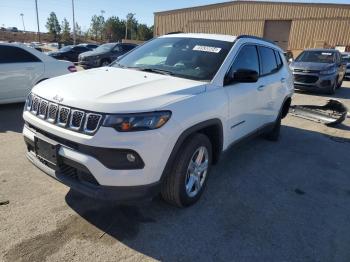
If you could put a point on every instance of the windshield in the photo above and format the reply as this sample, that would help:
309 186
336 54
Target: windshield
191 58
346 59
66 48
104 48
316 57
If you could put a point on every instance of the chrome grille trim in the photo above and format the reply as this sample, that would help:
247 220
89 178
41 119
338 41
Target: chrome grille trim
89 117
52 113
76 119
42 111
35 105
63 116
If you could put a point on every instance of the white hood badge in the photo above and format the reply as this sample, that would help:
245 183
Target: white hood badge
58 98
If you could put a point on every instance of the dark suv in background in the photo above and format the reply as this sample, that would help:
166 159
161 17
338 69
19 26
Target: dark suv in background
69 53
320 70
104 54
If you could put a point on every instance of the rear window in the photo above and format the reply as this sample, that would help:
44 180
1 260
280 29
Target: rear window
268 60
12 54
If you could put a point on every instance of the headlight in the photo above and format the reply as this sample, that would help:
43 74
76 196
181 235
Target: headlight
328 71
137 122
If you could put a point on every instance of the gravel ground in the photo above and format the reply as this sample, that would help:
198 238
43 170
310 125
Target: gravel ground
265 201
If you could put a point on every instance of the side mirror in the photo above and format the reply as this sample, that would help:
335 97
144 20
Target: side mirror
242 76
290 60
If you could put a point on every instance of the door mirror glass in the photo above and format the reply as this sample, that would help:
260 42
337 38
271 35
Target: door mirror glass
290 60
242 76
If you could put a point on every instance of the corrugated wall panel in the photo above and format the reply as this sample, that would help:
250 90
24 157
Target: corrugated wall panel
310 22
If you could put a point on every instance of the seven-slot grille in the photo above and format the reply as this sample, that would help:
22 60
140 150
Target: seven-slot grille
63 116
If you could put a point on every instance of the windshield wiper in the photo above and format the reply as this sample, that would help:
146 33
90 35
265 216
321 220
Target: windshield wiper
153 70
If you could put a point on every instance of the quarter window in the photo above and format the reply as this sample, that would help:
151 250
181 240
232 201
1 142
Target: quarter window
247 58
12 54
268 60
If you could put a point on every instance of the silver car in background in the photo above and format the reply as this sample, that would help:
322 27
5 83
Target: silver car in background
320 70
346 59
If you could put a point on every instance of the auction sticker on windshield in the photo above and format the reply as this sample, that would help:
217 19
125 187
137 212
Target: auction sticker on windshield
209 49
326 53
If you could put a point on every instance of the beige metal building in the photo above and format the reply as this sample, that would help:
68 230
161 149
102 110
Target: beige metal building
293 26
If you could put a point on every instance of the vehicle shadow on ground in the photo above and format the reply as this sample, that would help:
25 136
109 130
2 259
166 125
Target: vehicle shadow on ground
11 118
264 201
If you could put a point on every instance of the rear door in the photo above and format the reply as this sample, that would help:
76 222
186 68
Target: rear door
19 71
271 85
244 116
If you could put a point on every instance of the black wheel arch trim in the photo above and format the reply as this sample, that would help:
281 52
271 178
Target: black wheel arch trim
216 122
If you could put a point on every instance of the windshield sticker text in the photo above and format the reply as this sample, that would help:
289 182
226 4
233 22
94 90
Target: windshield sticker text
209 49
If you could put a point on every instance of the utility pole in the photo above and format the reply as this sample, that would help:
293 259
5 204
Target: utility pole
74 33
24 28
37 19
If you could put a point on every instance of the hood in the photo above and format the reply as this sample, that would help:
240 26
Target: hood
91 53
311 66
117 90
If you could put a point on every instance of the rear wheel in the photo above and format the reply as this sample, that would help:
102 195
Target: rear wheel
332 88
105 62
184 185
340 83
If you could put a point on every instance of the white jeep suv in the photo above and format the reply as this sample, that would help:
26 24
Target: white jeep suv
157 119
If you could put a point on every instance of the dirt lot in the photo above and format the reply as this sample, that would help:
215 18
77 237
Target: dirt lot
284 201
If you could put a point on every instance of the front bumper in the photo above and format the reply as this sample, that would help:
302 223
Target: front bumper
313 82
92 175
72 171
89 63
115 193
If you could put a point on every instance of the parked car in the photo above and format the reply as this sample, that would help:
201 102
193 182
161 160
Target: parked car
89 46
320 70
69 53
22 67
346 59
157 119
104 54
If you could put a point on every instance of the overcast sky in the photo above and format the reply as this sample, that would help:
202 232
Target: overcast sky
10 10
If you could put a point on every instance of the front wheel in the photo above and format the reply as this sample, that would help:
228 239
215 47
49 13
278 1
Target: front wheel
331 90
105 62
185 183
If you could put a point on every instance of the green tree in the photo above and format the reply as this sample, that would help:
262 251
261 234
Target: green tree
66 38
144 32
114 29
132 23
53 26
97 26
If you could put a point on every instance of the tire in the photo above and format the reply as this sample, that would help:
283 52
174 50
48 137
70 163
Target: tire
105 62
176 187
331 90
340 84
274 134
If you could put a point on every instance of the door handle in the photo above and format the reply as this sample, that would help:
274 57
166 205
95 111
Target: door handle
283 80
261 88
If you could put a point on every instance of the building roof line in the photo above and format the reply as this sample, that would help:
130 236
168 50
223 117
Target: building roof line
222 4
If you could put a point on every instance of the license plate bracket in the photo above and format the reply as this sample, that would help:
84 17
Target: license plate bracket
46 151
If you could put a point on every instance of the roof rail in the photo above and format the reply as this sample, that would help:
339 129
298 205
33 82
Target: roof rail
257 38
173 33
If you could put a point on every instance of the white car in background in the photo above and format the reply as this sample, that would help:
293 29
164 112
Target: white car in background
22 67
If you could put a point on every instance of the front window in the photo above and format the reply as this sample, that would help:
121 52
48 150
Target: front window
316 57
104 48
191 58
346 59
66 48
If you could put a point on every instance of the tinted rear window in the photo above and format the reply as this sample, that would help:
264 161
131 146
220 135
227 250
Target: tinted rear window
268 60
12 54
